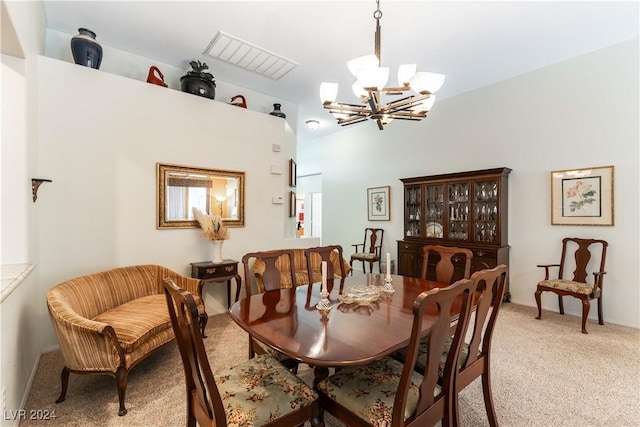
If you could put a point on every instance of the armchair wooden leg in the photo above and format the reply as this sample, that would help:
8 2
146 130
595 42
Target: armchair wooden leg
561 304
586 305
600 316
121 380
64 379
364 268
539 302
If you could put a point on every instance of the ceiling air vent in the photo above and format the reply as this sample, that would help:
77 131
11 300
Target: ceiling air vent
243 54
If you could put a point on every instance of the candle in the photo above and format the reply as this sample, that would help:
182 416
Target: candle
388 264
324 276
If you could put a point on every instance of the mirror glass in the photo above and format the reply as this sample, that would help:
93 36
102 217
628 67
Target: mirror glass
213 191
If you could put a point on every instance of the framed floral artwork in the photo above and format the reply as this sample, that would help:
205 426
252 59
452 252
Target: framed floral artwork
582 196
378 203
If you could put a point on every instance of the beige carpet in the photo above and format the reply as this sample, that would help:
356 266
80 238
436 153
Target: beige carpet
545 373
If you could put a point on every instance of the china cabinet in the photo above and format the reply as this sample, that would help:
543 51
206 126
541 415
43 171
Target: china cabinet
464 209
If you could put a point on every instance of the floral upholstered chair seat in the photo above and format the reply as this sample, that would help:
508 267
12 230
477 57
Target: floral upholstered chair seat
364 255
421 359
568 285
369 391
280 357
259 391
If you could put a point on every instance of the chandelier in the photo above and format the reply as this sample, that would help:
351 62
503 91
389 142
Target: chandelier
370 86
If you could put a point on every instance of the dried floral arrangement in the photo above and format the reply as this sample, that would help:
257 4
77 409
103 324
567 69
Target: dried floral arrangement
212 225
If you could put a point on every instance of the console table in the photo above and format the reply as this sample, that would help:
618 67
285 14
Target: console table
218 272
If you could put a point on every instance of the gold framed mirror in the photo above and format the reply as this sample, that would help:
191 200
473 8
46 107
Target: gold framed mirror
214 191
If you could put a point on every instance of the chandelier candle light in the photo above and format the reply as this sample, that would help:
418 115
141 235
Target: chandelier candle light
370 85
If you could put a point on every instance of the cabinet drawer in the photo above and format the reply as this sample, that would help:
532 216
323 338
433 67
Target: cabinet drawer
485 253
409 247
211 270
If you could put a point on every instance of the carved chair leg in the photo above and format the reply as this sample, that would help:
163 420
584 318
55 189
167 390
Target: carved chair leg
454 410
252 352
600 316
561 304
539 302
121 380
191 418
64 379
203 323
586 305
488 395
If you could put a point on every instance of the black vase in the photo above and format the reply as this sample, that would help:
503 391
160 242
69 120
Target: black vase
277 112
85 49
198 86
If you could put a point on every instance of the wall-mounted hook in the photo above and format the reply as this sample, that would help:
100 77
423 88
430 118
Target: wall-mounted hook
35 183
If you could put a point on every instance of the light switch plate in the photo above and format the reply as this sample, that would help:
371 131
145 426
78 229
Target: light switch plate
276 147
277 200
276 169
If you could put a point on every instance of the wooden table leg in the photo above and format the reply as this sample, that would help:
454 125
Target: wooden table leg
319 374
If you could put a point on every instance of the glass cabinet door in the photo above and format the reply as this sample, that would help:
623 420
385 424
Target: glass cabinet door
434 211
458 211
486 211
413 211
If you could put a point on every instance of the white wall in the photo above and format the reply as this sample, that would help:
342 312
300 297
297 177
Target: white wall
579 113
100 138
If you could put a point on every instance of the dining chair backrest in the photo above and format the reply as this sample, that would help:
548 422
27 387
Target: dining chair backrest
429 409
271 278
445 269
204 403
324 252
490 287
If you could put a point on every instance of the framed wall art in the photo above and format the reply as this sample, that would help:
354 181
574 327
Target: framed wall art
292 173
378 203
582 196
292 204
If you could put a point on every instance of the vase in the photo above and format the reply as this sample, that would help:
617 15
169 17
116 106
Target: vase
198 86
85 49
277 111
217 251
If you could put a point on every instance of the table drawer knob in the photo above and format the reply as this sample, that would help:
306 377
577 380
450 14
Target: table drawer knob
210 270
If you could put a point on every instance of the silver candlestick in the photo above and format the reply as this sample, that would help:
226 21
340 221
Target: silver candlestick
388 287
324 303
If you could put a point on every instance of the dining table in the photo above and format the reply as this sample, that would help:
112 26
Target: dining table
352 332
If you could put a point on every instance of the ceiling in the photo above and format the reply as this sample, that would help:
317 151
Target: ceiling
475 43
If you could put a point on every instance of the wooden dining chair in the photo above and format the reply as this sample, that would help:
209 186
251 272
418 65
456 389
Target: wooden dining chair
444 267
325 253
259 391
271 280
272 275
475 352
389 393
475 355
576 253
370 250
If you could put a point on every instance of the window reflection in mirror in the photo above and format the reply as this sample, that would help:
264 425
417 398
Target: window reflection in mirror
214 191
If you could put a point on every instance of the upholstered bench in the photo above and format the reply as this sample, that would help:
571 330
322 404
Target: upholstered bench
107 322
